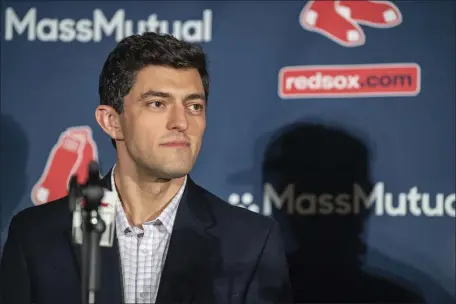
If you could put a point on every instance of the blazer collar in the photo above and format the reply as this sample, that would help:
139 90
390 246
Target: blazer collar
194 254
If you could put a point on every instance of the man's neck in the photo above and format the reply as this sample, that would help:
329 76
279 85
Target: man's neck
143 197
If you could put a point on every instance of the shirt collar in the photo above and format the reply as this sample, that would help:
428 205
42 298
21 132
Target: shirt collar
165 218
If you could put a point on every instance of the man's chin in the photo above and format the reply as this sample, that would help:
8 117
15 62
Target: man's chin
174 175
170 169
176 172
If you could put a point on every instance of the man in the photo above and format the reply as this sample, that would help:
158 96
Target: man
176 242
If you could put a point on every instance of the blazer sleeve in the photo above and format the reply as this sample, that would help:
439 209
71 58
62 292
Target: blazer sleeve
14 276
271 283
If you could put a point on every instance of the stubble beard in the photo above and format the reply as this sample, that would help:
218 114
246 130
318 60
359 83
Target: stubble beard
170 166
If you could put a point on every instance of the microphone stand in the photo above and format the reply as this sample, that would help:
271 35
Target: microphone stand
89 197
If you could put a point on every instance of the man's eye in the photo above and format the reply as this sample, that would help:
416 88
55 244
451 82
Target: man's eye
156 104
197 107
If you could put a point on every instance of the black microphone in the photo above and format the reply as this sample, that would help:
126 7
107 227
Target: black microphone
102 201
93 209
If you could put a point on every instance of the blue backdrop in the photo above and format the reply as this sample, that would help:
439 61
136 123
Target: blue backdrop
335 117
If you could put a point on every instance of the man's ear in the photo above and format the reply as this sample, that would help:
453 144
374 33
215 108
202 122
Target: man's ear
109 121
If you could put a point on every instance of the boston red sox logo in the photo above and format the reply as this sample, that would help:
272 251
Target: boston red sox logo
72 153
340 20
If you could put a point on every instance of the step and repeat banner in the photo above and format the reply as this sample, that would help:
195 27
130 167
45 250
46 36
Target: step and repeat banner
337 118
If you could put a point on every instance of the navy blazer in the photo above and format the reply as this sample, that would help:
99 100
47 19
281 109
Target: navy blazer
218 253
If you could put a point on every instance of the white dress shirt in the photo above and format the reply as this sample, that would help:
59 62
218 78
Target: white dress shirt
143 251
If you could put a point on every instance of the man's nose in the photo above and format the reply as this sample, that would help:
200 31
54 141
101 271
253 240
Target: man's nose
177 118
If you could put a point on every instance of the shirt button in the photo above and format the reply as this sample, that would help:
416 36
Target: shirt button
145 251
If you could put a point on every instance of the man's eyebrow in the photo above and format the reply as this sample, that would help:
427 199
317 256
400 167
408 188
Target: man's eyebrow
195 96
153 93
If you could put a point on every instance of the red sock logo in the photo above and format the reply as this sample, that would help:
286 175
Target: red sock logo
340 20
74 149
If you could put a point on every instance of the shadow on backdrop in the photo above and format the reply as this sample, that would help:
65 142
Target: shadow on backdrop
326 251
13 160
326 244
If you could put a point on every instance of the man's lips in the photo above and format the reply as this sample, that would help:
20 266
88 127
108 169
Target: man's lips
176 143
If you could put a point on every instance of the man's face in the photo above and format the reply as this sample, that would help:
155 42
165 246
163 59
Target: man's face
164 120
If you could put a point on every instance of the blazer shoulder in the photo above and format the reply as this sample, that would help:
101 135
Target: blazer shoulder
42 215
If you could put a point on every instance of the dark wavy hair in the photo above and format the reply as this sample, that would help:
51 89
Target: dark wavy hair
136 52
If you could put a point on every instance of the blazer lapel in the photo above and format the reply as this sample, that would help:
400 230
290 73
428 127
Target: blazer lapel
110 291
193 256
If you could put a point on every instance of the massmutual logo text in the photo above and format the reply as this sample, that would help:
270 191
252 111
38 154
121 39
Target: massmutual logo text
379 202
98 26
